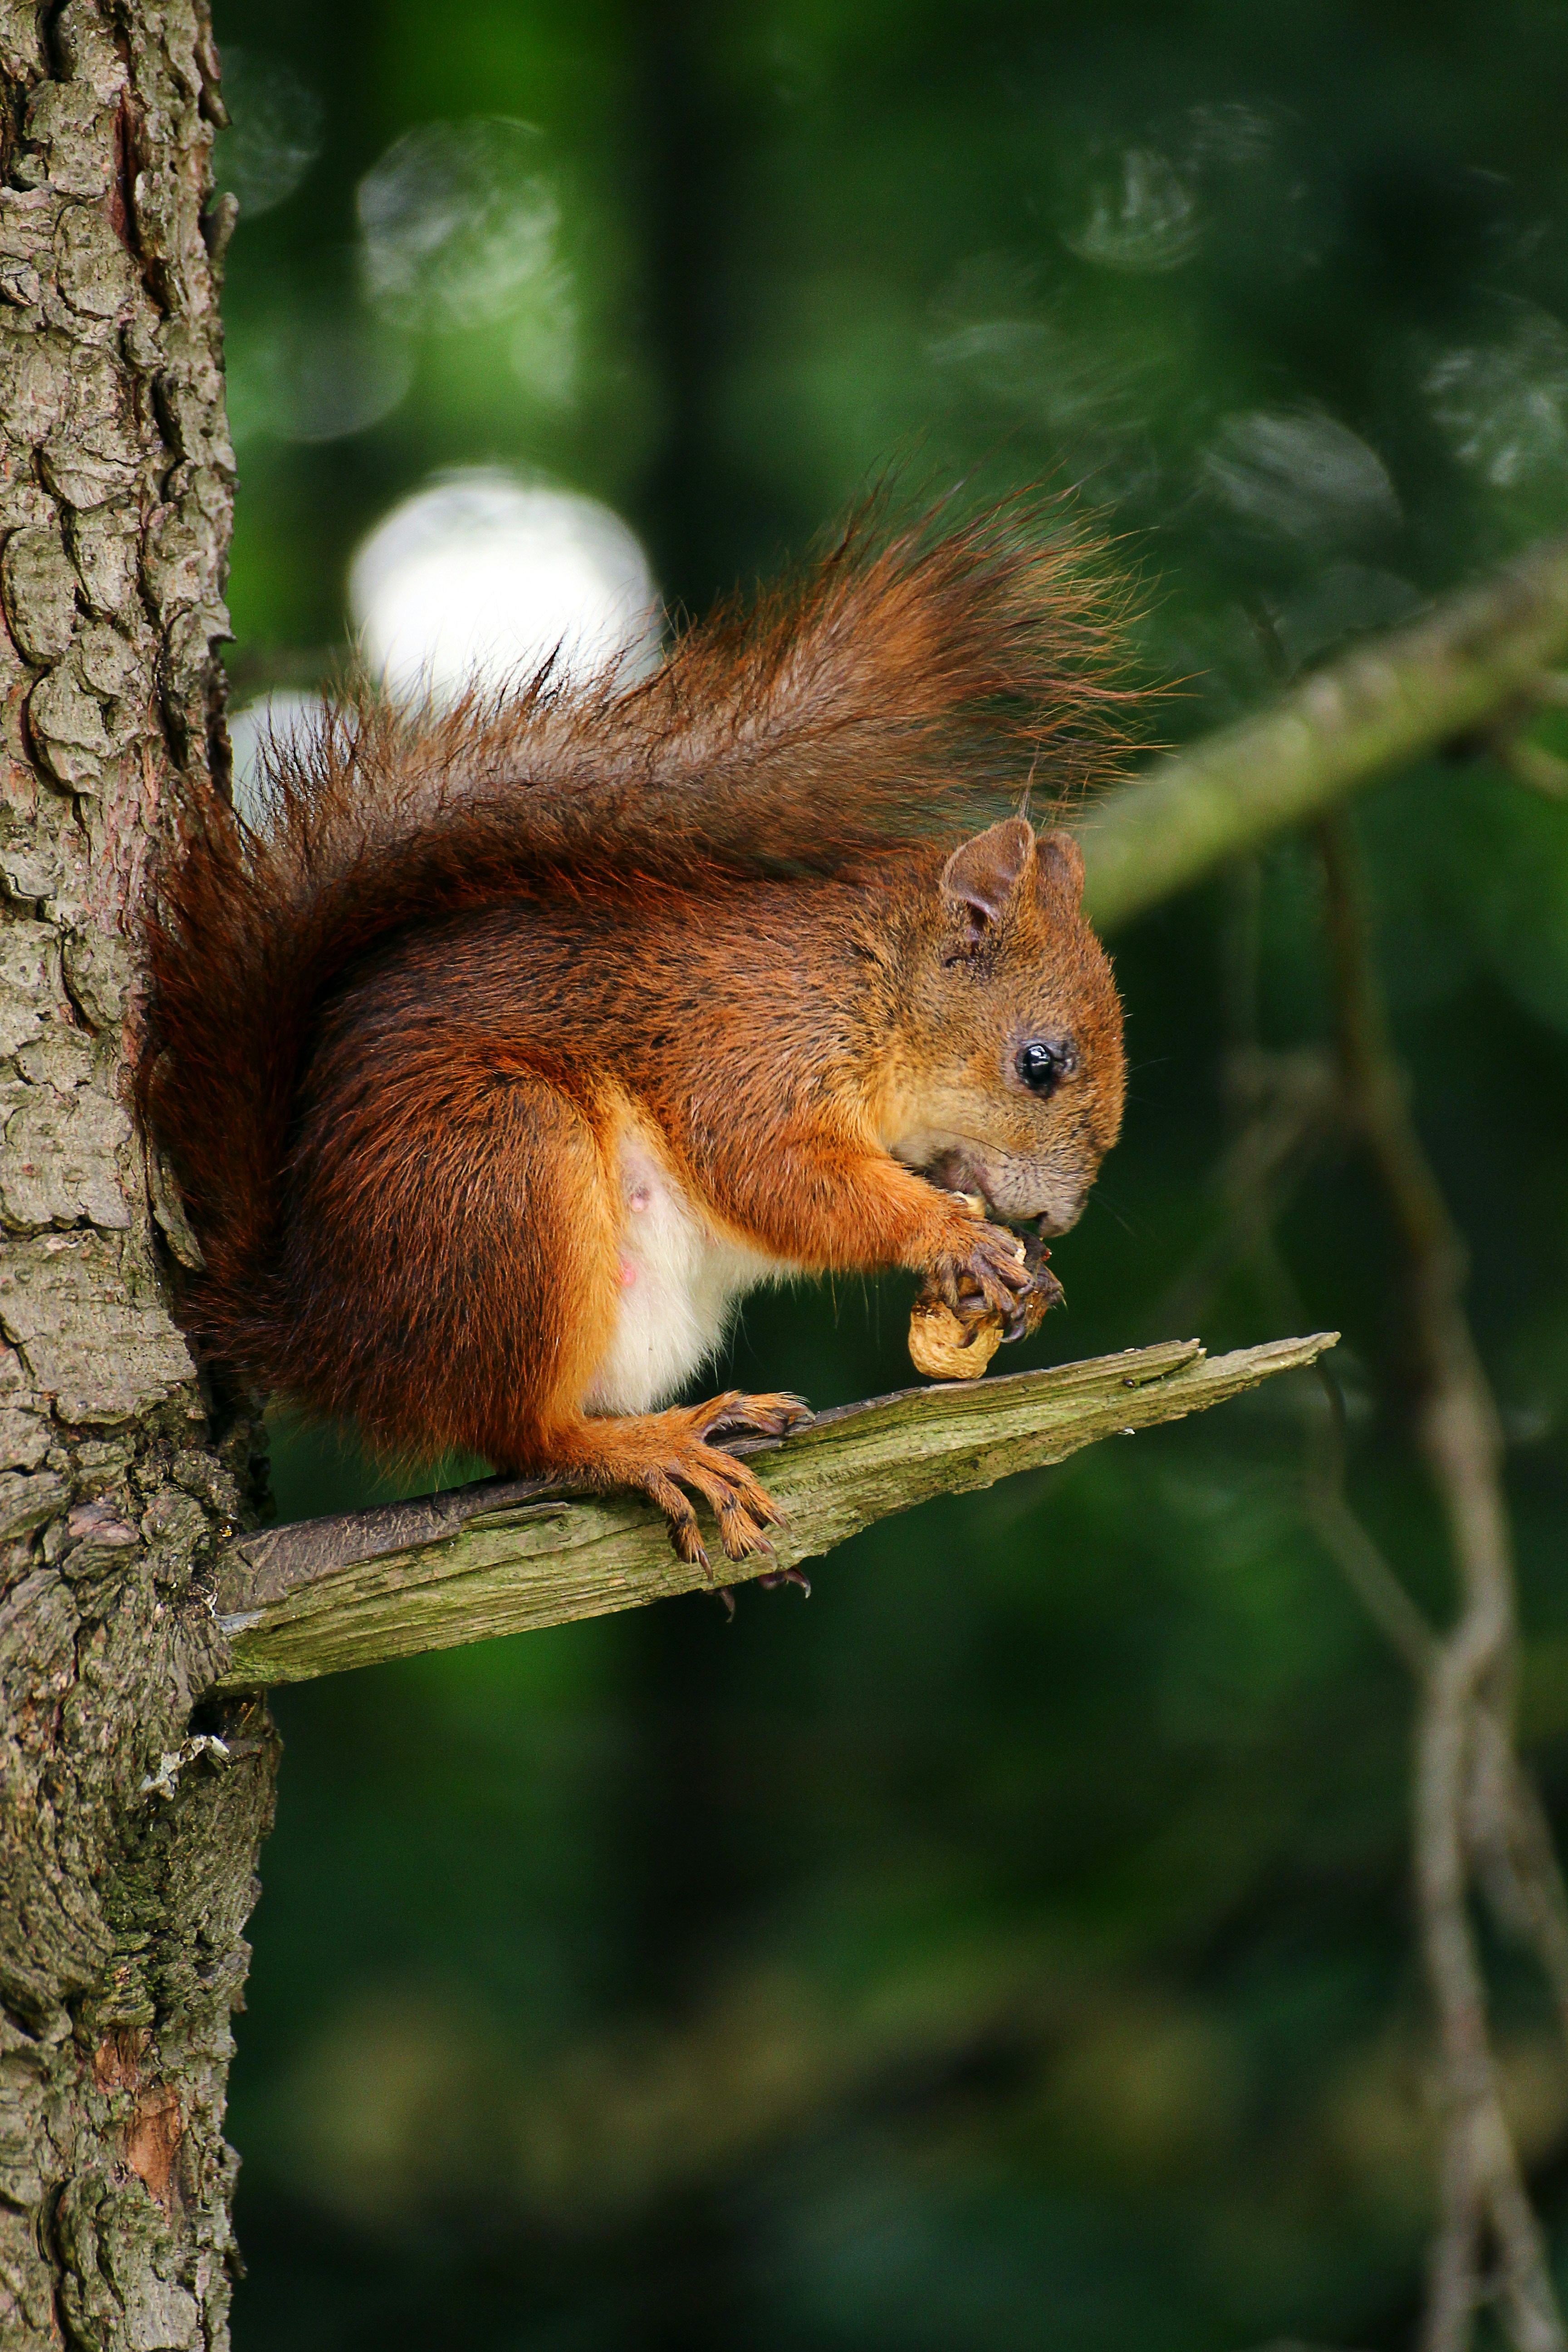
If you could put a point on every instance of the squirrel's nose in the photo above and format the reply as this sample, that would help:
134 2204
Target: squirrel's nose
1065 1208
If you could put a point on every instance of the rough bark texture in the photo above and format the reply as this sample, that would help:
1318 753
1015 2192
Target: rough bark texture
126 1846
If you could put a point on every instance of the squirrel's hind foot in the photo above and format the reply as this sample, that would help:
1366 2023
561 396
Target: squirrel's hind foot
663 1454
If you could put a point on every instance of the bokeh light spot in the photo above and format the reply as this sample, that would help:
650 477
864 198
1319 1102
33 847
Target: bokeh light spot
273 132
457 221
480 578
1299 473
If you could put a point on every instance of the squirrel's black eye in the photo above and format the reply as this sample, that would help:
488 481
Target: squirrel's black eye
1041 1065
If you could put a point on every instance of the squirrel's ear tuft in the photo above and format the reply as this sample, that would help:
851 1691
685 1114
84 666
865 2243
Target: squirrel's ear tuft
984 876
1061 861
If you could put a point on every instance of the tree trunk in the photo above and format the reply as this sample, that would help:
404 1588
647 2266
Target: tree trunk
129 1828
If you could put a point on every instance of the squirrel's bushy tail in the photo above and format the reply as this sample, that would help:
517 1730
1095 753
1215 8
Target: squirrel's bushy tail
888 693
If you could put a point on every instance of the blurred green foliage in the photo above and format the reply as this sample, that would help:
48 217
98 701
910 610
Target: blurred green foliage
1013 1945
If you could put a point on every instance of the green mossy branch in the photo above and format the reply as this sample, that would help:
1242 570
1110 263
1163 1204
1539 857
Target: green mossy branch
1470 668
508 1555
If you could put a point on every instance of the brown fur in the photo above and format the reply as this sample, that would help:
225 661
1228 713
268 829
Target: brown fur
404 1049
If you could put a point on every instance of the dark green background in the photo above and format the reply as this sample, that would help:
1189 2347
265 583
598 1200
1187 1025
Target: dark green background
1013 1947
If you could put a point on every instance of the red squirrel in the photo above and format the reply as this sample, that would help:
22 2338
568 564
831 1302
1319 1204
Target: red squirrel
529 1035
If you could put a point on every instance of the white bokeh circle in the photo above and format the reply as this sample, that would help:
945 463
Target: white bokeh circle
480 578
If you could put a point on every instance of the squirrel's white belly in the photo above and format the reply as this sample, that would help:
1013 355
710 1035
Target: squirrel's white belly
680 1283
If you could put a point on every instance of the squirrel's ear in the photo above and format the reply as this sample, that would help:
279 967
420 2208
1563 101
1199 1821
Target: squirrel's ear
1062 860
984 876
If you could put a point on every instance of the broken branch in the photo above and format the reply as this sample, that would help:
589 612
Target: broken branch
507 1555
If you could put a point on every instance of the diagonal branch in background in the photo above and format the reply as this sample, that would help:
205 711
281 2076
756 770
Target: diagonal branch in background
1470 1792
507 1555
1475 662
1480 1821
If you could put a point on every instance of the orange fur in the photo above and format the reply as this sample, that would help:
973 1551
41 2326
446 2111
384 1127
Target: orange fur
528 1036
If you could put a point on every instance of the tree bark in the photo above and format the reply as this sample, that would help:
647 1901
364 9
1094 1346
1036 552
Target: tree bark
128 1827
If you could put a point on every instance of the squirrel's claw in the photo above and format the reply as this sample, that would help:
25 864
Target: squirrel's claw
738 1530
1027 1315
1044 1292
772 1577
685 1539
986 1261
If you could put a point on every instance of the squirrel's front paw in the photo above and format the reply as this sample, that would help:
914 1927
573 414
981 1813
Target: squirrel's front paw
957 1343
981 1269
